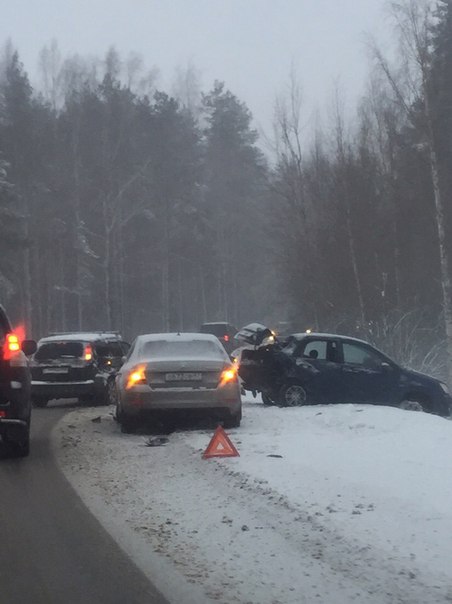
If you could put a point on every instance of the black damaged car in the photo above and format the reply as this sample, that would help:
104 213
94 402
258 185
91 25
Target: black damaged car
309 368
15 397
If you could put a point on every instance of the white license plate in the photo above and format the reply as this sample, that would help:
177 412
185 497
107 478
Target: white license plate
183 377
56 370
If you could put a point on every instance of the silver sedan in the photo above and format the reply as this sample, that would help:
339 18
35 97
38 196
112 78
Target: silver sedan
177 372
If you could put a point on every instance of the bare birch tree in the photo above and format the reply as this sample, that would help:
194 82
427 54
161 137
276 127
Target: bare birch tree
413 19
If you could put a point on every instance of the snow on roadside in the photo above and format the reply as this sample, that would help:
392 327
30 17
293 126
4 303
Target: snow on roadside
353 505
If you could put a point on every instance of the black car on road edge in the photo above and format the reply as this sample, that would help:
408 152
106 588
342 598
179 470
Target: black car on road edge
15 398
328 368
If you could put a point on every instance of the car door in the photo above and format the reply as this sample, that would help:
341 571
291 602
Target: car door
367 375
318 364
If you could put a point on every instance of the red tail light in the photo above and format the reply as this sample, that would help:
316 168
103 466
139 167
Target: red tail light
88 353
226 338
228 375
137 376
12 345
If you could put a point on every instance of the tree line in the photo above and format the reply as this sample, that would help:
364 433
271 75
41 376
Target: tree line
124 206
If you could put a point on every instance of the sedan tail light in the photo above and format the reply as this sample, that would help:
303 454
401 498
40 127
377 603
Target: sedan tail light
228 375
136 376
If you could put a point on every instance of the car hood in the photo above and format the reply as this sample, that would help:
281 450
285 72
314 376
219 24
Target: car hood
253 333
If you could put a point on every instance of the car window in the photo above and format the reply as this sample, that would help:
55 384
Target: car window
316 349
58 350
360 355
125 346
109 349
182 348
219 329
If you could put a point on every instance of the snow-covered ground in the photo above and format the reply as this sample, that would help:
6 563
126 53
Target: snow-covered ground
329 504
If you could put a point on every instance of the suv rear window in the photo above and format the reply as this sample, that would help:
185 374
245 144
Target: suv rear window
218 329
59 350
109 349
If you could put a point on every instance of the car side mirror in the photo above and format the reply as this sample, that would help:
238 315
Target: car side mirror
123 359
29 347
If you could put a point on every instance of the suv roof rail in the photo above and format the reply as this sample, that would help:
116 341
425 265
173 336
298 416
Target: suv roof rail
94 331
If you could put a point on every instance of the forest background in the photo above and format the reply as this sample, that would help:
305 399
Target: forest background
127 207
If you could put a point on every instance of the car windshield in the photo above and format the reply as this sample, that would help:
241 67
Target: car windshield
59 350
180 349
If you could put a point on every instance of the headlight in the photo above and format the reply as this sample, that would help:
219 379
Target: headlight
444 388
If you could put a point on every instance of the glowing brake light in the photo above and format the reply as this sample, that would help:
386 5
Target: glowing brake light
228 375
138 376
88 353
12 345
226 338
12 342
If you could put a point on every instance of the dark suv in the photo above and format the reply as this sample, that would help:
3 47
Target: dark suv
77 365
15 401
327 368
224 331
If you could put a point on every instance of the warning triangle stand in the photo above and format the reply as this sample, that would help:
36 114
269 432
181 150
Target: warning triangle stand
220 446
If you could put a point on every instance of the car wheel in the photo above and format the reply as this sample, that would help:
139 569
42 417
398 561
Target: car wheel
292 395
110 393
40 402
18 448
232 421
415 402
267 399
129 425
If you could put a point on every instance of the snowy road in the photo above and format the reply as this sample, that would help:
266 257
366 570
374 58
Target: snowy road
355 507
52 549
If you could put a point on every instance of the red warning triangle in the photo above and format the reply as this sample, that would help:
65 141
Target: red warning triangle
220 446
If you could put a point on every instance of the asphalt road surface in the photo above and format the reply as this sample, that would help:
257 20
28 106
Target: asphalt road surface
52 550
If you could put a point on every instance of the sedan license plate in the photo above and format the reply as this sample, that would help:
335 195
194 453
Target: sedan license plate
56 370
183 377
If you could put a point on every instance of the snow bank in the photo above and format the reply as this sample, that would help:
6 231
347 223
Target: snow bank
330 504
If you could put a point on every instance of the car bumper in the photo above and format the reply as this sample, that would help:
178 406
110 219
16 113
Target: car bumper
142 398
54 390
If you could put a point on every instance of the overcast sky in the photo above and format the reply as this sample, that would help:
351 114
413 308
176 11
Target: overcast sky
250 44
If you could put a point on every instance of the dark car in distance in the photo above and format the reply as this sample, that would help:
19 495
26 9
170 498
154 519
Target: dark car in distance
79 365
224 331
15 396
328 368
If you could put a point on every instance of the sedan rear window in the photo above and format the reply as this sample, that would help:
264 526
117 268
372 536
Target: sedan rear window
182 348
58 350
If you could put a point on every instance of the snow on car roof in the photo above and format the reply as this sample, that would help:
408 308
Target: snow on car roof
303 334
216 323
177 337
80 337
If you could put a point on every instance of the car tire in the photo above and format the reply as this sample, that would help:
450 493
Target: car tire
292 394
129 425
110 393
40 402
411 405
232 421
268 400
18 448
